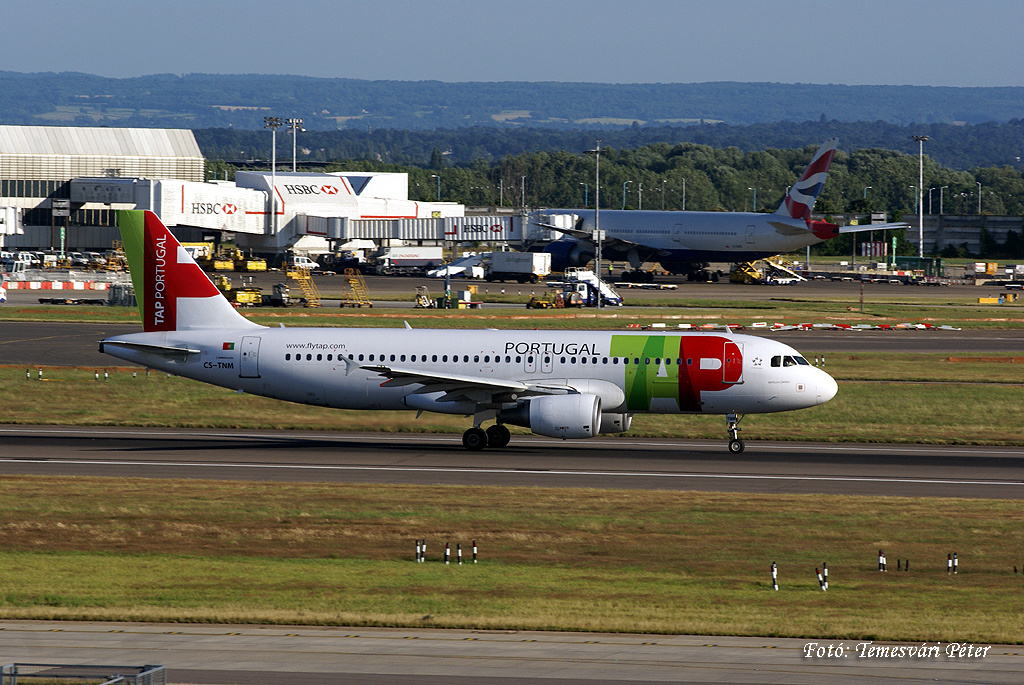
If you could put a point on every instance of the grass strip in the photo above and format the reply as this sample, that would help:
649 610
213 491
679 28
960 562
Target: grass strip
551 559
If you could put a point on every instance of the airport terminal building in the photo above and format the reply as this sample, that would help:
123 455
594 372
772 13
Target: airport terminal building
72 178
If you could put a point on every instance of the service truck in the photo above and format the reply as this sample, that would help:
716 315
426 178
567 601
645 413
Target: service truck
525 267
409 260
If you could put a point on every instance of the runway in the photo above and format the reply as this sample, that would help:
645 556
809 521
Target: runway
259 655
530 461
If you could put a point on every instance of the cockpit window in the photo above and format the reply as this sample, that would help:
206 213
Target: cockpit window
787 360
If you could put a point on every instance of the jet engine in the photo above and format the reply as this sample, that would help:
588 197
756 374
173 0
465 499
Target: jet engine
566 253
557 416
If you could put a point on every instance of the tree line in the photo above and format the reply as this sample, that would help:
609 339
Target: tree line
705 178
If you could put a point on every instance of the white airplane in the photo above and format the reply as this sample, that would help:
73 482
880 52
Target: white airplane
563 384
685 242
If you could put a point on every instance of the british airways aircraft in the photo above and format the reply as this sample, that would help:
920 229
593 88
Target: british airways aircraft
685 242
562 384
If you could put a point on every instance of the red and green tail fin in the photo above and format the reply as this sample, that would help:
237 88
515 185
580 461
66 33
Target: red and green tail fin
172 291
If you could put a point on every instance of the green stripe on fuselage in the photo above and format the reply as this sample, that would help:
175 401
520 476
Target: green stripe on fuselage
645 381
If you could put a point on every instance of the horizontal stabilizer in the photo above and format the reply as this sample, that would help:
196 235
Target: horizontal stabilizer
873 227
162 350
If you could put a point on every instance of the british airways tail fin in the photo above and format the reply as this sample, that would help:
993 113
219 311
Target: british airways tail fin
800 201
172 291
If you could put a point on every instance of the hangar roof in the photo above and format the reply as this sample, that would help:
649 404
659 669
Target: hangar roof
68 140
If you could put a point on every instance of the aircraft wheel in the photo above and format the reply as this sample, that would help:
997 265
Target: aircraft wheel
498 436
736 446
474 439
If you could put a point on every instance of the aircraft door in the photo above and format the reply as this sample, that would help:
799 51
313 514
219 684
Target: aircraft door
732 363
750 234
677 234
545 363
249 366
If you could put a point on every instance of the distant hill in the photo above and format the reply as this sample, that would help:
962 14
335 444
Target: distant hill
241 101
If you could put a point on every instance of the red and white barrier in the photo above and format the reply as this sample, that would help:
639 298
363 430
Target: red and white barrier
57 285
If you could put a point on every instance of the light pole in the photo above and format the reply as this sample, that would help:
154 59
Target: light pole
866 189
920 190
295 125
586 197
524 193
273 123
930 199
684 193
501 192
755 197
438 185
640 195
663 182
624 193
597 217
979 197
940 199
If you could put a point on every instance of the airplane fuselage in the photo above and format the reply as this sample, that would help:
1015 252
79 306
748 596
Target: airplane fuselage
701 236
672 373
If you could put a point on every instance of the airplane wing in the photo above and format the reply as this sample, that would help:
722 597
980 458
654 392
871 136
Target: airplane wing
456 387
609 243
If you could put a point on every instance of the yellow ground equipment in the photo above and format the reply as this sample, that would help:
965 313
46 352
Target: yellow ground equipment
247 263
746 273
550 300
356 295
771 271
218 262
303 277
246 296
423 300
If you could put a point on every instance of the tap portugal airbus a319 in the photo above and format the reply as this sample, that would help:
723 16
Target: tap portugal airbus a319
562 384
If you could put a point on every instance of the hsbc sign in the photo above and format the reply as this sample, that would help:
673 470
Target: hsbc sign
213 208
301 189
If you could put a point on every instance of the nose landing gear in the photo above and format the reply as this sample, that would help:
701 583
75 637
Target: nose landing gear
736 445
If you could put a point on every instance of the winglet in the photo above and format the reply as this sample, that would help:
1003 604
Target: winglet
800 200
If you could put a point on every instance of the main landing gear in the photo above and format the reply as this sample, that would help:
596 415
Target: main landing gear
477 438
735 444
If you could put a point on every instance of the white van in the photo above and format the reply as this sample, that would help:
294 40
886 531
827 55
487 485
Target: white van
300 262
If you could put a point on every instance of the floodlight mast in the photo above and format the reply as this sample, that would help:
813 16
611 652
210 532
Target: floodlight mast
273 123
598 238
920 194
295 125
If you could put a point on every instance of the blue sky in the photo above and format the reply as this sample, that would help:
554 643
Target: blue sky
866 42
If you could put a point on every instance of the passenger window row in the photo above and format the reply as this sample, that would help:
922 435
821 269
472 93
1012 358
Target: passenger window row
497 359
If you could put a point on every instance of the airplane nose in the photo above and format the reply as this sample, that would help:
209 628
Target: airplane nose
827 387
